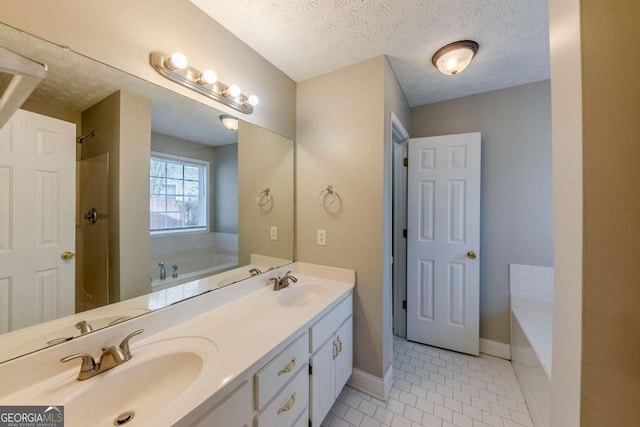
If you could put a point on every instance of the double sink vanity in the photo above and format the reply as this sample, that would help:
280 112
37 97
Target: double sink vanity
244 355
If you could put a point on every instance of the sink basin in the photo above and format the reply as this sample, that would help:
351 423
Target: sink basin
300 295
144 388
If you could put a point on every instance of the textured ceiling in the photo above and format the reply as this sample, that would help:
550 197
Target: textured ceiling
76 82
306 38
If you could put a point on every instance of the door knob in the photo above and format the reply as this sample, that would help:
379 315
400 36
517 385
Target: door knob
67 255
471 255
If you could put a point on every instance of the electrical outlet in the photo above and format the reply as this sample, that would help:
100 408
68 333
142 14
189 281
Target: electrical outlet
274 232
322 238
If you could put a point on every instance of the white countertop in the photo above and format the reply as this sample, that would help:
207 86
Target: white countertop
244 330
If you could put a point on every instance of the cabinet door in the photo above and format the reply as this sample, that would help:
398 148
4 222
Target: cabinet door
234 411
344 361
323 382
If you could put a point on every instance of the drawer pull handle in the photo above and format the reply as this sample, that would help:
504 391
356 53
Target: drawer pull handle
288 405
335 350
288 368
339 346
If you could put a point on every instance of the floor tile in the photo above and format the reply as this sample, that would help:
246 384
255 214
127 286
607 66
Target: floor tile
437 388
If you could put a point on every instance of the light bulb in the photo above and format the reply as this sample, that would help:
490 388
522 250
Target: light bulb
207 77
178 61
253 100
452 63
234 91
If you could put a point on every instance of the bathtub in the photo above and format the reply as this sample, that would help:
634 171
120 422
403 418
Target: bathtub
531 340
531 289
191 267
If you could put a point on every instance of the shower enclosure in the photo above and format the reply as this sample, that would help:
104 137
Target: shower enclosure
92 233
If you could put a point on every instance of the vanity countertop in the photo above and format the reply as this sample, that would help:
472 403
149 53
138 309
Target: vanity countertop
243 330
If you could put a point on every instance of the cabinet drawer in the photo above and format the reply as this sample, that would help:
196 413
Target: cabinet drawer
287 406
322 330
281 369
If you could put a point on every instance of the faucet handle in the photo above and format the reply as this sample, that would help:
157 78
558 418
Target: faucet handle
84 327
124 345
88 364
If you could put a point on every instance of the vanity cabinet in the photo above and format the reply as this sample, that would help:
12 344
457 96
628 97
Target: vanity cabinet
235 410
331 360
285 377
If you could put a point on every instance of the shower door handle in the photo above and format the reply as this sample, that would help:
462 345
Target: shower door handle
91 216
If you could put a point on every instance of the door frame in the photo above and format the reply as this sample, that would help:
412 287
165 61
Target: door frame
398 140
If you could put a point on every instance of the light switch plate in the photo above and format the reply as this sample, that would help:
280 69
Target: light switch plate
322 238
274 232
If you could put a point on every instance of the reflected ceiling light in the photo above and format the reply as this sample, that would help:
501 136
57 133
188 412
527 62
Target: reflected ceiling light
229 122
177 69
177 61
253 100
208 77
455 57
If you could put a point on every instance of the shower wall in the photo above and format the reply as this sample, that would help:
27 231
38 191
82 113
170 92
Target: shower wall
92 238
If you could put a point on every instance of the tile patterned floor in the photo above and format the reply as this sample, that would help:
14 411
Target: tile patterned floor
437 388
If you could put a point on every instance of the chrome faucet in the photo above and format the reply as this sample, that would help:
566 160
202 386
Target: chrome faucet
84 327
255 271
163 272
111 357
174 271
282 282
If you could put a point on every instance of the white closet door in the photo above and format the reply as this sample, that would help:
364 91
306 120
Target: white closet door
443 242
37 220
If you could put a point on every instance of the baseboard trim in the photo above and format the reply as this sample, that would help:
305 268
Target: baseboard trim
495 348
380 388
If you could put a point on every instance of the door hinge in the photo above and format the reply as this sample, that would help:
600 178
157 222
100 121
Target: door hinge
404 304
404 233
310 370
405 162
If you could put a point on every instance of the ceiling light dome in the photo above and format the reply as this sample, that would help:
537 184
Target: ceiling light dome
229 122
455 57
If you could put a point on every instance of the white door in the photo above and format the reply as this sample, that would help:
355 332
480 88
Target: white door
443 271
37 220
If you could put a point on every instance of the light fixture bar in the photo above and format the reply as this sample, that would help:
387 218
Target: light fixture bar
191 78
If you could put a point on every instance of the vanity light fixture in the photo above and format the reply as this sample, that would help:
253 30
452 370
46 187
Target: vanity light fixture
176 68
455 57
229 122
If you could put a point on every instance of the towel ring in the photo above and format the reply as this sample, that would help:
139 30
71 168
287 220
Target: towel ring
264 197
324 193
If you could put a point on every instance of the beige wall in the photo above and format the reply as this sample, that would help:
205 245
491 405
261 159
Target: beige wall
135 149
516 224
611 250
265 160
342 139
123 129
122 33
566 107
226 178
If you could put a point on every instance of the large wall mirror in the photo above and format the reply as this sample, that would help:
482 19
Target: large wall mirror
119 197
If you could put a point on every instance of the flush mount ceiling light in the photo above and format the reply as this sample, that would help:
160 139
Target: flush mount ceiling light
229 122
176 68
455 57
